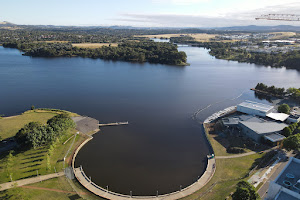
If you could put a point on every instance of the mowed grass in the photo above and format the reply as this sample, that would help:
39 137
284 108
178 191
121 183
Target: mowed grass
9 126
93 45
29 163
52 189
228 173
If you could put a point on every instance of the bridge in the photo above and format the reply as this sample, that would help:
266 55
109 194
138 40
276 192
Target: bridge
114 124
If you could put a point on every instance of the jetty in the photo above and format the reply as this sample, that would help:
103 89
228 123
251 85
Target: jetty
114 124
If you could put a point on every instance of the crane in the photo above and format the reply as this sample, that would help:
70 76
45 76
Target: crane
280 17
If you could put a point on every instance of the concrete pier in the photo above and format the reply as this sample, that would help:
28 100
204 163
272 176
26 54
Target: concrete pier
102 192
114 124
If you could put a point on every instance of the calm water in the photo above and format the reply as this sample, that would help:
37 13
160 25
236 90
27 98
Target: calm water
163 147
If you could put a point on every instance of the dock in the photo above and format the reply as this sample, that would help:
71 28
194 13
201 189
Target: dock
114 124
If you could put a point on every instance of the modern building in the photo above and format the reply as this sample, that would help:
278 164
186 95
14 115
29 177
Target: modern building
287 185
256 128
254 108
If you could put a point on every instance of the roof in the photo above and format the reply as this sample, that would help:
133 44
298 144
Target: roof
256 106
274 137
291 169
263 127
278 116
284 196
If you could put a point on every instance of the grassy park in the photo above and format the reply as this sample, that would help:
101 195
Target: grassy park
228 173
26 163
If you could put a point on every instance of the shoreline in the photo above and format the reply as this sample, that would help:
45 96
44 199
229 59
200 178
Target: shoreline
99 191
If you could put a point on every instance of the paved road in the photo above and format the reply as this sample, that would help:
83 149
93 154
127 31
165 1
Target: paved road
5 186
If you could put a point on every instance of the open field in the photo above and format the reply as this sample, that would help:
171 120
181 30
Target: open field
282 35
9 126
93 45
57 188
200 37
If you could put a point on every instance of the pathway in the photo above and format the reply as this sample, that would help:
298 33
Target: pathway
236 156
204 179
5 186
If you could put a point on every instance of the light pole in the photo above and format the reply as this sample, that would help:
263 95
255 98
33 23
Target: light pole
107 188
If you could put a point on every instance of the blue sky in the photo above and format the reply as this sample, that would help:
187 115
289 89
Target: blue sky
170 13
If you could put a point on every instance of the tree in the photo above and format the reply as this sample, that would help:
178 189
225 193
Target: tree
292 142
245 191
287 132
284 108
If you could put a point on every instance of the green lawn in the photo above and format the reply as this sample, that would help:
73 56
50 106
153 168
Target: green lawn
40 191
9 126
228 173
27 163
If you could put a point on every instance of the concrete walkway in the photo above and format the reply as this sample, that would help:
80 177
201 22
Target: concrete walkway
236 156
202 181
5 186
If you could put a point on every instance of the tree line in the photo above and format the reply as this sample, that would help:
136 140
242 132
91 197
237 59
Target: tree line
144 51
36 134
225 50
292 92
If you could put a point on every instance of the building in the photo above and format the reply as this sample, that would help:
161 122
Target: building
254 108
256 128
287 185
293 119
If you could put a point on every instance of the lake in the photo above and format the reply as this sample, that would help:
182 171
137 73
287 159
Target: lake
162 148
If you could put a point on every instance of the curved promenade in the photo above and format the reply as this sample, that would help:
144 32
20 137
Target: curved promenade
92 187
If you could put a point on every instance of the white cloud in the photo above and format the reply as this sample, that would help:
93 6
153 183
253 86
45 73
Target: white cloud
236 16
179 2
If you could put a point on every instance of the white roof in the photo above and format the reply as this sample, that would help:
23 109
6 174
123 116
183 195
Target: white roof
278 116
256 106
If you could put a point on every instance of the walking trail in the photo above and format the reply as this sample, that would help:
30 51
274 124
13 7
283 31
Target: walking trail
236 156
5 186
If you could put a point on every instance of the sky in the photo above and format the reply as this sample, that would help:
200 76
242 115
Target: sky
147 13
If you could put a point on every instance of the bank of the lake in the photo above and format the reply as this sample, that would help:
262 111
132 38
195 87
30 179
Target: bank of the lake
162 144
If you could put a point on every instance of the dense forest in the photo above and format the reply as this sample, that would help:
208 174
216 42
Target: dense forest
143 51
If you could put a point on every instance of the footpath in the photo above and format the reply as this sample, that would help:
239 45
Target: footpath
5 186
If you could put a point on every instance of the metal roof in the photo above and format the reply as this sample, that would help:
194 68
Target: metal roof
256 106
274 137
278 116
262 127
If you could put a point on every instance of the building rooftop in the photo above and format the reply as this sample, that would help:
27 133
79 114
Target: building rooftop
285 196
278 116
274 137
256 106
291 174
262 127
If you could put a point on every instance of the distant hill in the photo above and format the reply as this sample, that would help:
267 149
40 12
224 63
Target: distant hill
261 28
